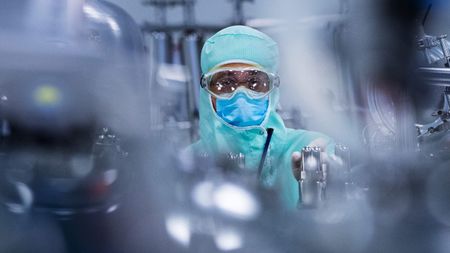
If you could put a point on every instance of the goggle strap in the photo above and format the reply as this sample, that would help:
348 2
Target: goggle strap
276 81
203 81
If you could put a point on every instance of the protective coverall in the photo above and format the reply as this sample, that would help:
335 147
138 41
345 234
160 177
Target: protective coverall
242 44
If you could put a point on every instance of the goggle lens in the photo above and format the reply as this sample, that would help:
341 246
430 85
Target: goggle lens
225 82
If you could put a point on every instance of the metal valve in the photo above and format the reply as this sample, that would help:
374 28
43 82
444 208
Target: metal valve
312 183
341 182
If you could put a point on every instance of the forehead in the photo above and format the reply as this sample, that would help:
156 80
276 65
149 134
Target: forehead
236 65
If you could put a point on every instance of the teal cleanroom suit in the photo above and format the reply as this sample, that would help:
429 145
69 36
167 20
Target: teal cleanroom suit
245 44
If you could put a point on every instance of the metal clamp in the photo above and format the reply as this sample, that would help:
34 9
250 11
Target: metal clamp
313 175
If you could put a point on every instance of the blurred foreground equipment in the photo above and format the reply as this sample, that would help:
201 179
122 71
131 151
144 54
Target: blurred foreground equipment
74 98
62 86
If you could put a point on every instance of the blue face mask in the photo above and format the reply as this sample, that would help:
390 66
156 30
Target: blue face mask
241 110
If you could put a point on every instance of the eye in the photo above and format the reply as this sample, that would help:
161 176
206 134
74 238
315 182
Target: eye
226 81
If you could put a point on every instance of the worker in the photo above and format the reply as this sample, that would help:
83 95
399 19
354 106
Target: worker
238 99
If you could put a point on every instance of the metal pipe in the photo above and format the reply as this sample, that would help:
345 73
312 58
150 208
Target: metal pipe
189 14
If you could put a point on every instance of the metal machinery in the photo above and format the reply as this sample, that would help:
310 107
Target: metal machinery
397 114
313 177
105 41
73 91
204 210
175 68
174 51
434 71
321 179
435 50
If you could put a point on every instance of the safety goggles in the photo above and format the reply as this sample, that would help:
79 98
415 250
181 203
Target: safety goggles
223 83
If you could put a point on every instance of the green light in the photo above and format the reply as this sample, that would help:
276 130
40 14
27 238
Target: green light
47 95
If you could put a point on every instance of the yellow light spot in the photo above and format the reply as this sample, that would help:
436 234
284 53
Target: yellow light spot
47 95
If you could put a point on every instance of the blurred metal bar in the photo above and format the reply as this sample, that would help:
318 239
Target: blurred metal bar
189 14
239 17
192 43
435 76
147 27
162 46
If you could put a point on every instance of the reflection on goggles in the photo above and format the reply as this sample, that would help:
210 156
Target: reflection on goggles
224 82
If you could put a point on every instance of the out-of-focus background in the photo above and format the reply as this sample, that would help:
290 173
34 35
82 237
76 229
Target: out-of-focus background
98 100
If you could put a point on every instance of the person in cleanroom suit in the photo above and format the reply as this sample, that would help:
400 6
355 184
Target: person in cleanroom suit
238 101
